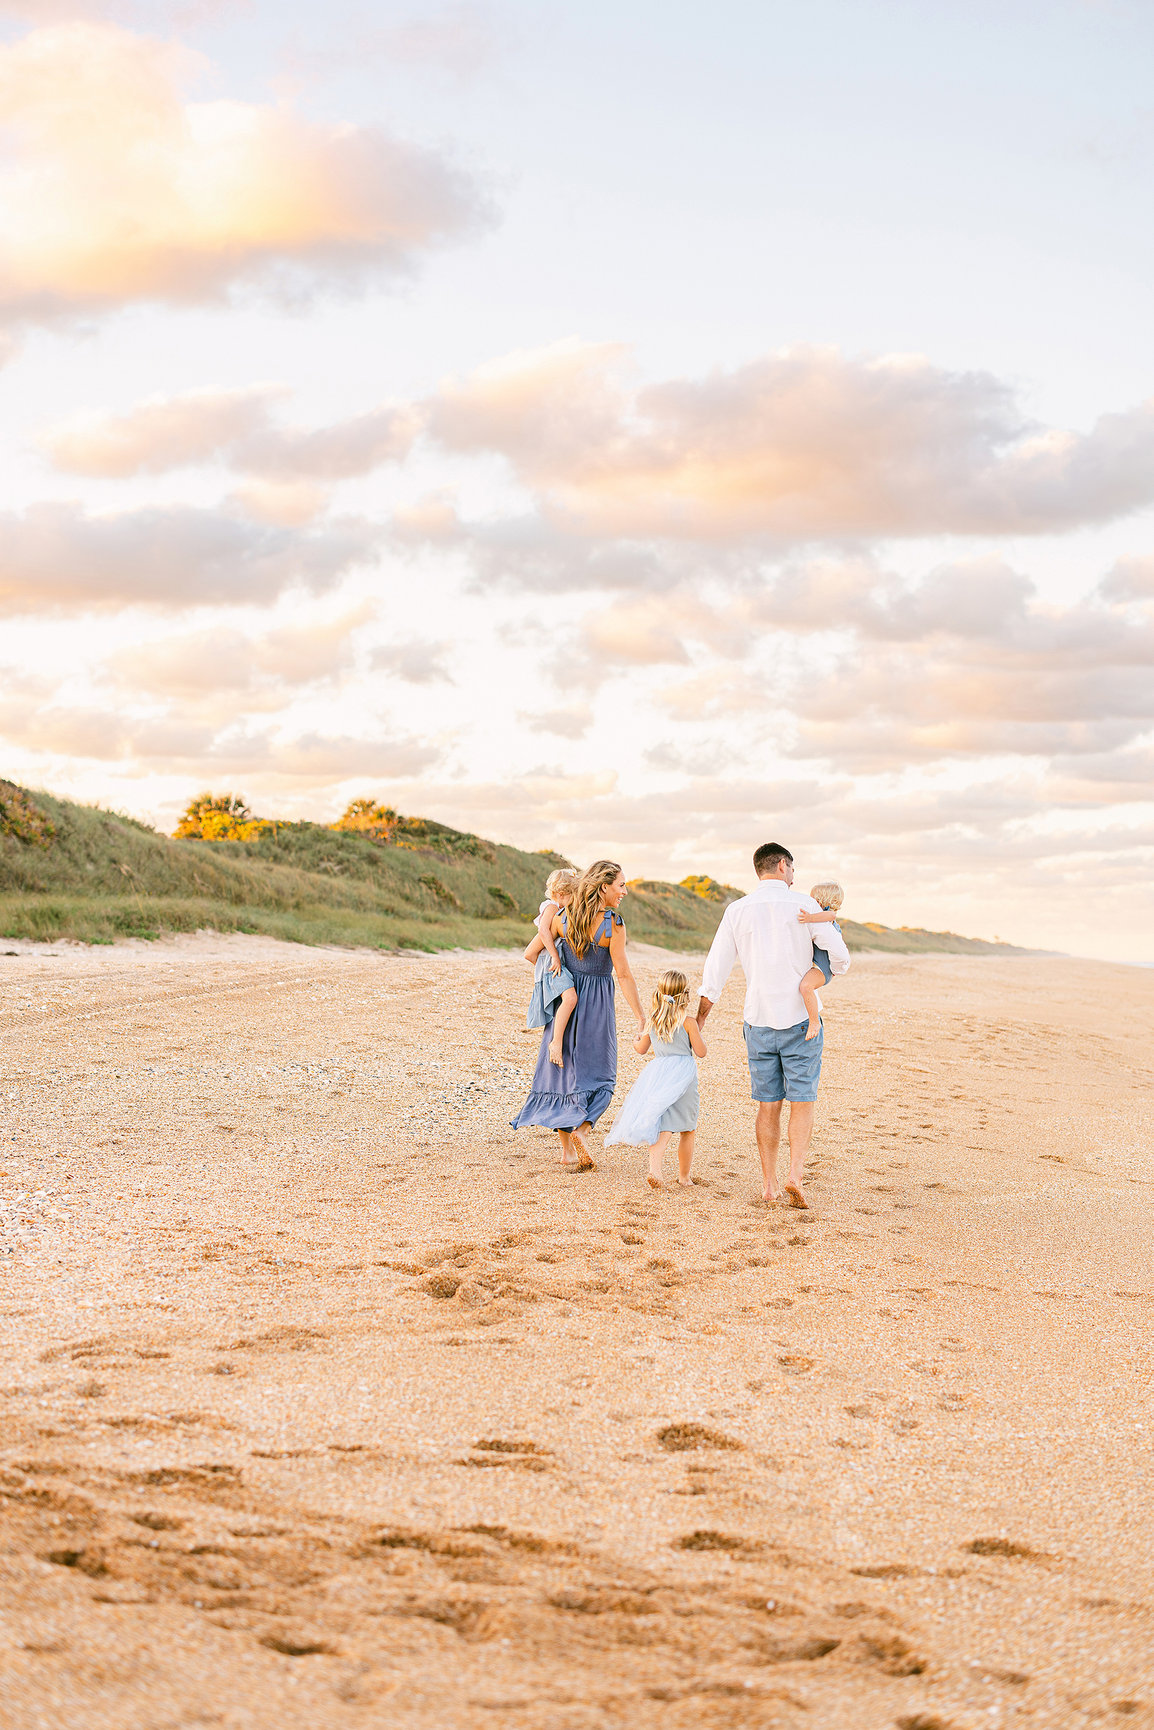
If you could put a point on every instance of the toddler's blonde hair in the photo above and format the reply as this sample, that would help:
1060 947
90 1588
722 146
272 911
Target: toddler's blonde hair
828 895
669 1005
565 879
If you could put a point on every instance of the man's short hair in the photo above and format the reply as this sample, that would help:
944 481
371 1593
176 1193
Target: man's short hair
769 856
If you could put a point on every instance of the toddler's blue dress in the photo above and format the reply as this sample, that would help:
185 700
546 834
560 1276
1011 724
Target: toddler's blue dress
548 988
821 959
664 1096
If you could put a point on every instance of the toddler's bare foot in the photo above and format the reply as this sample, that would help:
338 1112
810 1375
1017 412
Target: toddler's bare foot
685 1182
794 1195
654 1182
769 1194
811 1031
554 1051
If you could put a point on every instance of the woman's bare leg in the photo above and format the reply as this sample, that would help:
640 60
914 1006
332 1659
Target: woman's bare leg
584 1157
685 1145
565 1009
568 1157
809 988
656 1159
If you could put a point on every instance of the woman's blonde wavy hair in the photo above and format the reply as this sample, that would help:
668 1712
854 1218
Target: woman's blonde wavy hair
585 909
669 1005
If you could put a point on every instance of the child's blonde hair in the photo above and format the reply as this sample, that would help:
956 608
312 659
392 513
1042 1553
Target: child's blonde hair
565 879
669 1005
828 895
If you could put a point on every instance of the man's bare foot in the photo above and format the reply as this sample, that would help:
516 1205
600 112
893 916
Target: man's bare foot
811 1031
554 1052
654 1182
794 1196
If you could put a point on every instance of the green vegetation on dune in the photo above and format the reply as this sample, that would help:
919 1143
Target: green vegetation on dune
375 879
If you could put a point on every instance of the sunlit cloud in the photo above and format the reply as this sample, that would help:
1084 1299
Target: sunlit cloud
61 558
805 444
117 189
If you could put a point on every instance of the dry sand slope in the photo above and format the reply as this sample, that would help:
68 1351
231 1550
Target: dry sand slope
329 1401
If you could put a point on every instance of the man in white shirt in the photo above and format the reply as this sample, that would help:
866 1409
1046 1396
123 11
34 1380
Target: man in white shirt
763 932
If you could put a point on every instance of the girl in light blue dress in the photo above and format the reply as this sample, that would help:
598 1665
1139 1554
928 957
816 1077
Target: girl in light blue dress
663 1101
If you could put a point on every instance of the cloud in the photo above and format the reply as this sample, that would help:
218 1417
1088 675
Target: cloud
231 426
177 743
58 557
637 635
417 661
570 723
226 663
1129 580
164 433
802 445
116 189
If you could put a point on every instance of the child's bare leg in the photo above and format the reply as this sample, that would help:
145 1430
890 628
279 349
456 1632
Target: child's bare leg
656 1159
809 988
685 1145
565 1009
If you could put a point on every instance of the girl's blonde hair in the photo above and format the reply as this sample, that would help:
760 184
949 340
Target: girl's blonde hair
566 879
828 896
585 908
669 1005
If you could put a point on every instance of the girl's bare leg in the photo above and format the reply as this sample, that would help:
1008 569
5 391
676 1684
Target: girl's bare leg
809 988
584 1157
565 1009
656 1158
568 1157
685 1145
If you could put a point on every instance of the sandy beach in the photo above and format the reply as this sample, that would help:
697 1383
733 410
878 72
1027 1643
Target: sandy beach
330 1400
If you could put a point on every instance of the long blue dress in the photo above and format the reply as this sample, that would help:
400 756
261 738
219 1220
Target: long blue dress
579 1089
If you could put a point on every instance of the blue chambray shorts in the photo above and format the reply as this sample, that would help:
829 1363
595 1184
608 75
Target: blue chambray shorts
783 1064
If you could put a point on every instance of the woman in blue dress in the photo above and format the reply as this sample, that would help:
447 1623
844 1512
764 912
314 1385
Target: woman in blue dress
570 1096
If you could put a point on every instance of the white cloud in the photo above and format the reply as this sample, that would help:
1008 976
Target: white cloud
803 445
115 189
58 557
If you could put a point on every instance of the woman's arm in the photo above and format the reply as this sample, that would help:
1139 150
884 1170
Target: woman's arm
642 1044
624 976
698 1044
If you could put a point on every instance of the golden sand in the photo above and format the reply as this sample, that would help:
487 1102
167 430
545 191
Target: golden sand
328 1400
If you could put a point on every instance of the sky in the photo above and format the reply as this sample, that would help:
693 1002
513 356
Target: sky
638 430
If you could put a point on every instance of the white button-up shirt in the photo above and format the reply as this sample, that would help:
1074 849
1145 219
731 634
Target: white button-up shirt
776 952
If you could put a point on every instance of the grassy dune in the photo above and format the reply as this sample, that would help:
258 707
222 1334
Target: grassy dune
95 876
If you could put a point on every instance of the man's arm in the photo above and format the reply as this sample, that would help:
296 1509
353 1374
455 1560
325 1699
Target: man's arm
829 938
719 964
